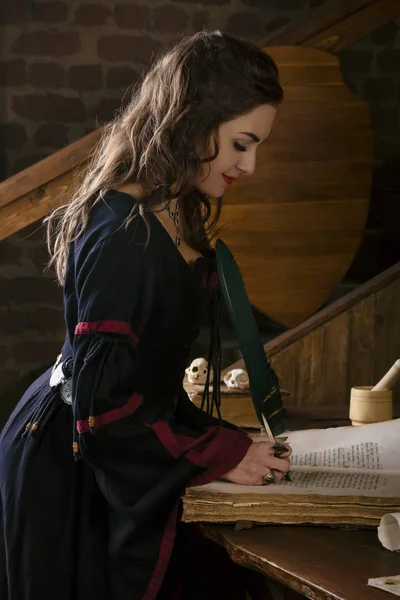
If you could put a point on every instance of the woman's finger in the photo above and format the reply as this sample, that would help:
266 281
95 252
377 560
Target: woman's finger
282 450
278 464
279 476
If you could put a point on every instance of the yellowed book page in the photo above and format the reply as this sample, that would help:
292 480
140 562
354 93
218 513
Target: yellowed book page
372 447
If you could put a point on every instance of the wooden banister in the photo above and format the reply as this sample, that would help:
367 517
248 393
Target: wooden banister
46 170
335 309
36 191
325 315
353 341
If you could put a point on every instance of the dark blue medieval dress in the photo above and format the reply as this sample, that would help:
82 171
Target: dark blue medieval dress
103 527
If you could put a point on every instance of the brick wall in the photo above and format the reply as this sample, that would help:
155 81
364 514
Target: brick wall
64 67
371 69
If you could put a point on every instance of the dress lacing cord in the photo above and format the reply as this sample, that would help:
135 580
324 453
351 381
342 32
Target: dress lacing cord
44 413
40 417
91 419
214 363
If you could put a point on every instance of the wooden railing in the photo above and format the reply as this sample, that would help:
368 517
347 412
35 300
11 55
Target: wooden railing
352 342
36 191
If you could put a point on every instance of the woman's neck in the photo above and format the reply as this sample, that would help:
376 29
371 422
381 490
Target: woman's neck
137 191
133 189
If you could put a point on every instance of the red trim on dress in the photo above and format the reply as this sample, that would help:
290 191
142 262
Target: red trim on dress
107 326
164 555
218 450
111 415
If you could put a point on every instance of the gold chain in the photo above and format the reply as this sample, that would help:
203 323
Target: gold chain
174 216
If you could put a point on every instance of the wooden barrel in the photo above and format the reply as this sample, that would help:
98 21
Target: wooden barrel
295 225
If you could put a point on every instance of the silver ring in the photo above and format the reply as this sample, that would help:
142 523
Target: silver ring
270 477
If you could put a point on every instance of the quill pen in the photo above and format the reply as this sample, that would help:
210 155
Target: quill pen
264 384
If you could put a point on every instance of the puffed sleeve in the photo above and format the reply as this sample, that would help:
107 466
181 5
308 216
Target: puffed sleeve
132 445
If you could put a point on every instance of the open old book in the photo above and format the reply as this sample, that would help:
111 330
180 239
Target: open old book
361 496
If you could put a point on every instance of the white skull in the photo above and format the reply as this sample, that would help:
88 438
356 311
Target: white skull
197 371
237 379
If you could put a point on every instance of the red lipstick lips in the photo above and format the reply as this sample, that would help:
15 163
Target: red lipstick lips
228 180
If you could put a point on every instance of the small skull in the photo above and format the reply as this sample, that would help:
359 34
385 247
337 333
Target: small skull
197 371
237 379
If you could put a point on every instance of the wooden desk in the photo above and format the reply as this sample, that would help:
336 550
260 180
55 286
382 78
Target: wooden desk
318 562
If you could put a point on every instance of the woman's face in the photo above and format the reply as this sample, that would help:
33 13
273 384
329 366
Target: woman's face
238 143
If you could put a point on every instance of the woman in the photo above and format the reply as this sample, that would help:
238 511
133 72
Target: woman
133 255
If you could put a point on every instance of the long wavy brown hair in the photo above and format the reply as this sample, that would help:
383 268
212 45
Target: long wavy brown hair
203 81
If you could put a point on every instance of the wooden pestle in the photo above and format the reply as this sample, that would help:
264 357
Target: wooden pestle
388 380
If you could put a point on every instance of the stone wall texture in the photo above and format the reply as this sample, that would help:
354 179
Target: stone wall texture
64 68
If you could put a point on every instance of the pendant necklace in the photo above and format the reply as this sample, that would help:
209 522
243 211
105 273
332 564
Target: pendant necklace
174 216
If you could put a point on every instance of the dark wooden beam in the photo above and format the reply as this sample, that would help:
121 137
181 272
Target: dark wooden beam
339 24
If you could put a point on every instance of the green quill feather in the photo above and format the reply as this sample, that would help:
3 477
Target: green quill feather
264 384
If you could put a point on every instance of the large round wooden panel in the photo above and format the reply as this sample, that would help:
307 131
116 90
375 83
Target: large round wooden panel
295 225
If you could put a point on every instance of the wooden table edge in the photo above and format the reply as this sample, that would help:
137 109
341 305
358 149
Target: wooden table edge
239 555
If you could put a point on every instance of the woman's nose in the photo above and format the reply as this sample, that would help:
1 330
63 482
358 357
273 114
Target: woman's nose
247 163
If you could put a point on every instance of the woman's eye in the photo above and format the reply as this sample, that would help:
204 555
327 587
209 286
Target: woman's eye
239 147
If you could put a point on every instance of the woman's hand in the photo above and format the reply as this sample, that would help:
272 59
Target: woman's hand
258 462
